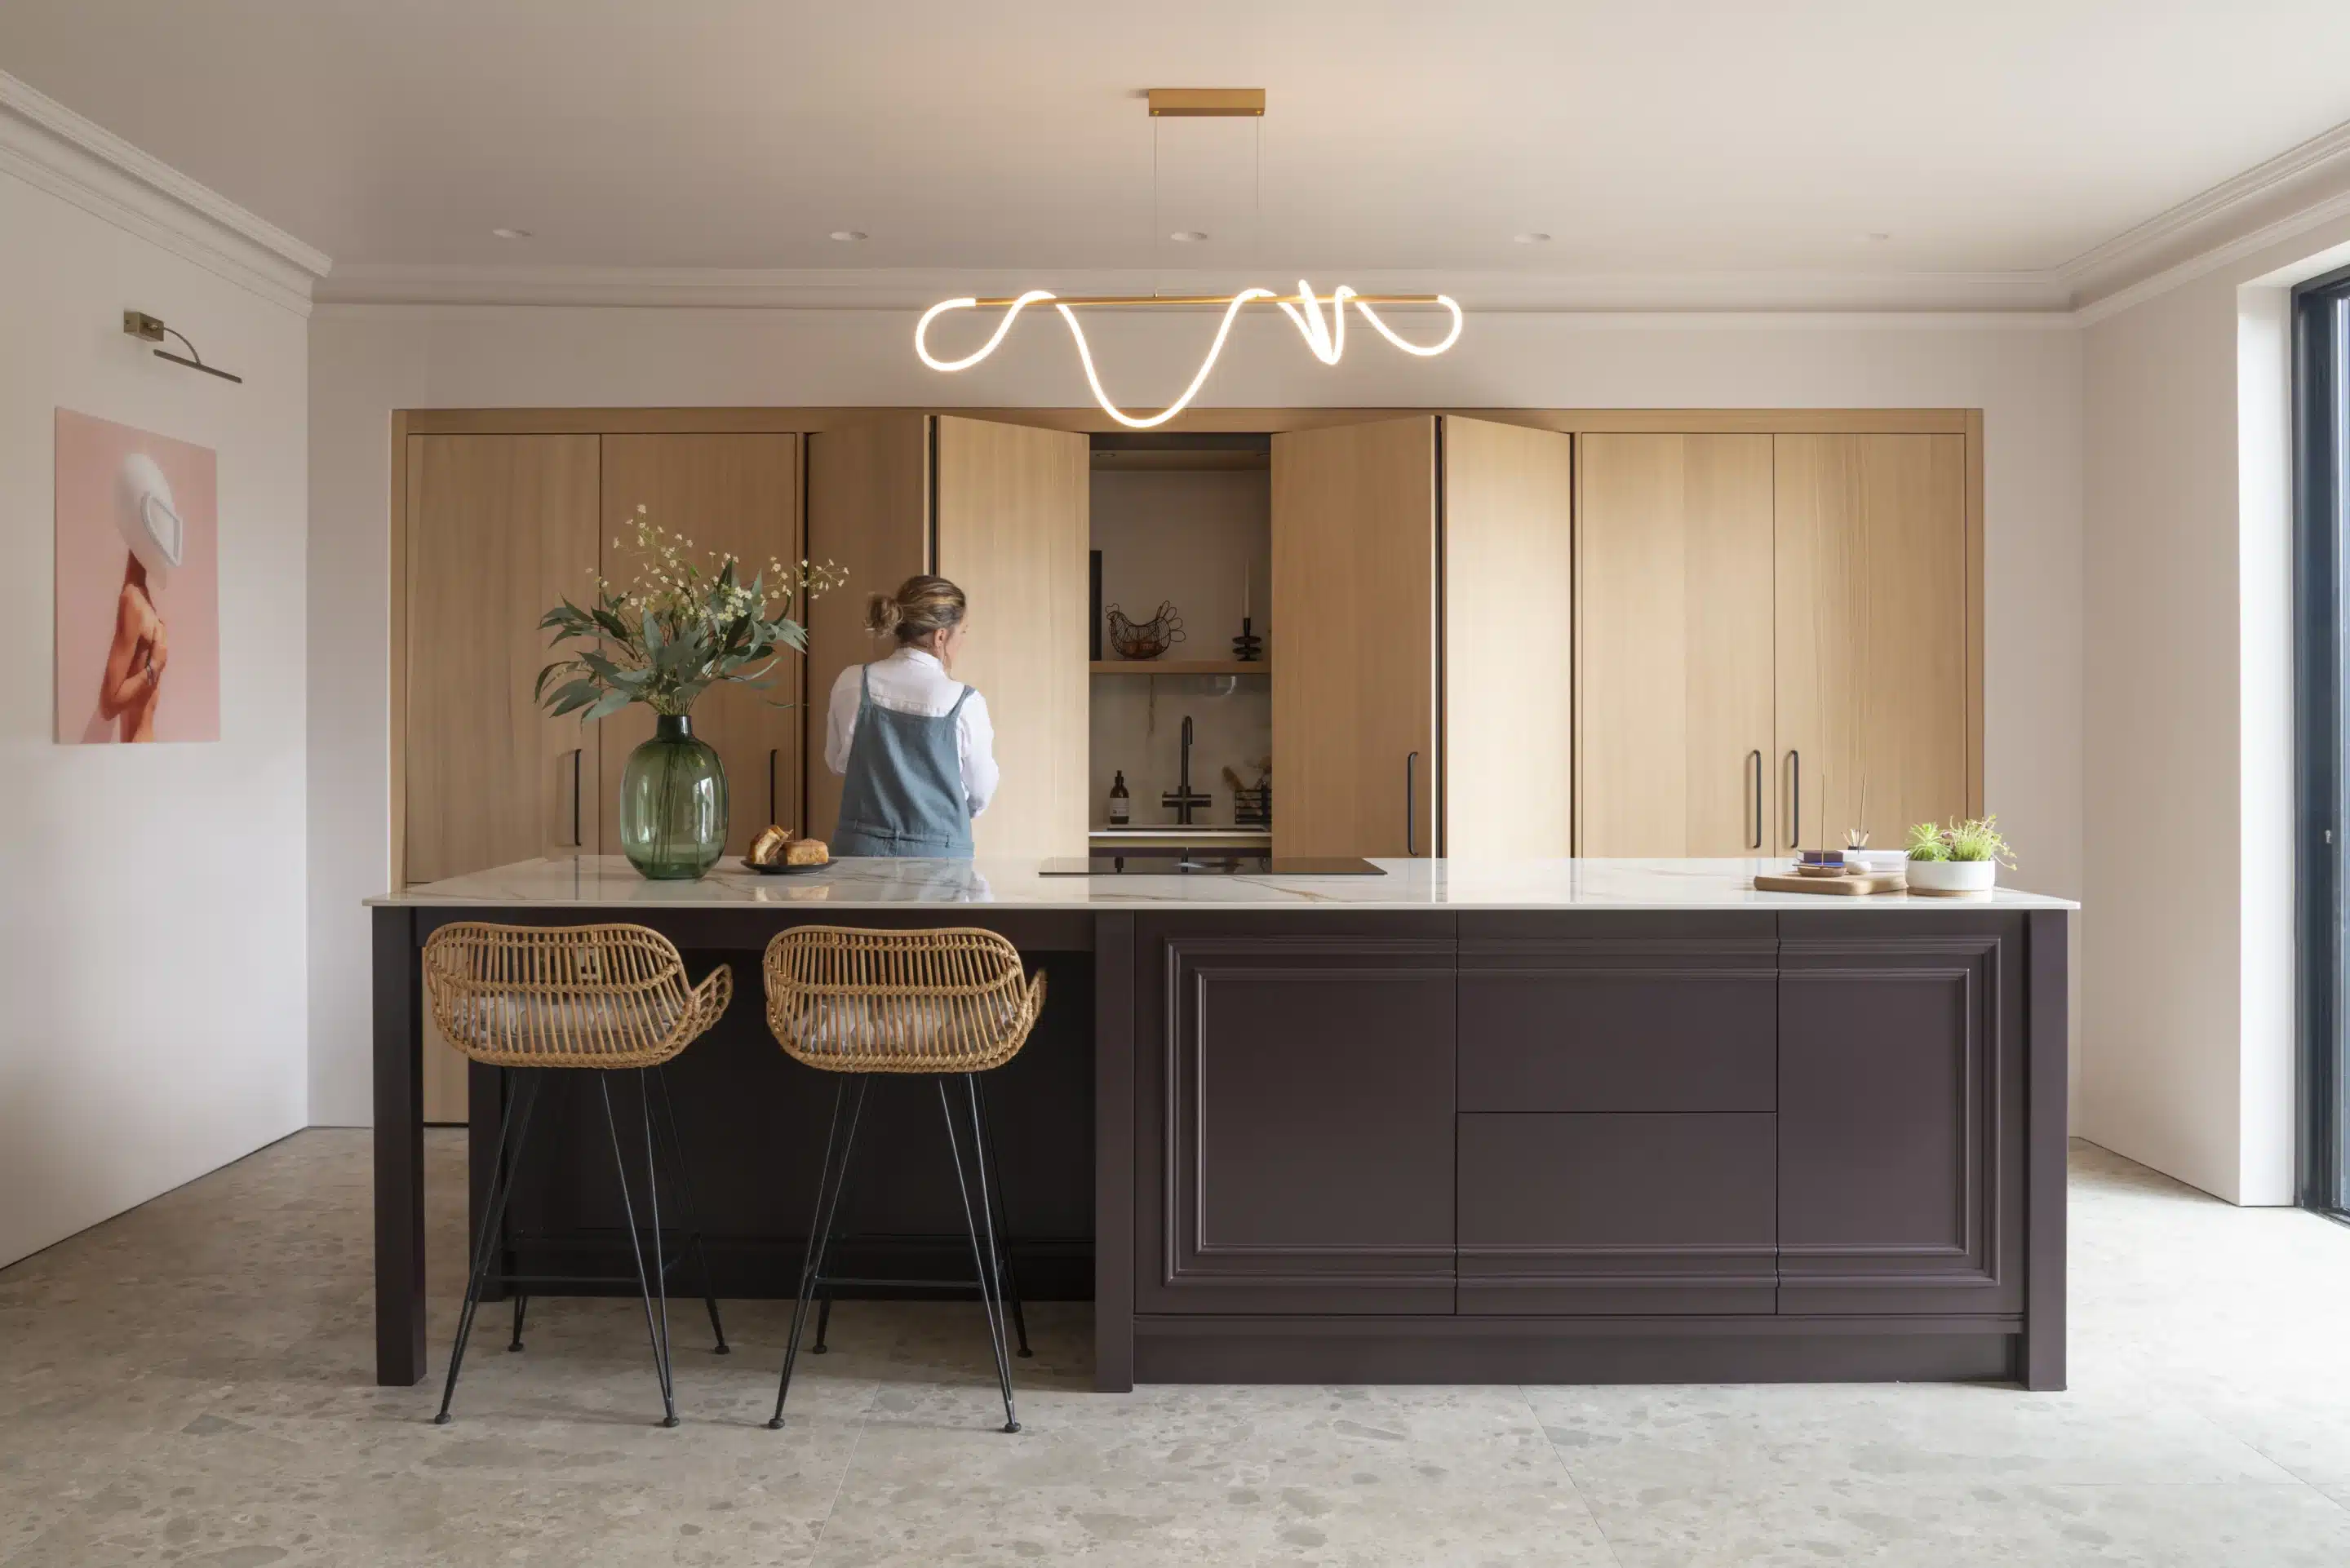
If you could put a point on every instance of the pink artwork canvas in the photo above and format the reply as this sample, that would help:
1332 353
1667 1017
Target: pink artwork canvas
138 584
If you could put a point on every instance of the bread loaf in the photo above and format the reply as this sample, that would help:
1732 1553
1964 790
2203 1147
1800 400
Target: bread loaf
806 852
768 848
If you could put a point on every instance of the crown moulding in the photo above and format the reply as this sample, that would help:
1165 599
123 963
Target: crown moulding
53 148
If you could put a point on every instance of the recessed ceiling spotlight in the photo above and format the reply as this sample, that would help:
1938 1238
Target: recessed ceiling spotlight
848 236
1531 237
1877 236
1187 236
511 234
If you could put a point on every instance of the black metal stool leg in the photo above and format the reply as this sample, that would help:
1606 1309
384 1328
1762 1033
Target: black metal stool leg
823 1323
1003 1222
645 1285
830 1180
493 1212
652 1205
981 1253
520 1301
688 1213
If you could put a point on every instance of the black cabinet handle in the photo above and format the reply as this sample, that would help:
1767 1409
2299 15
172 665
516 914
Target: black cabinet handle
771 783
1755 759
1409 842
1795 800
577 753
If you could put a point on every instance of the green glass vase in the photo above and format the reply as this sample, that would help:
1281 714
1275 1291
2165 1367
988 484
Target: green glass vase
673 804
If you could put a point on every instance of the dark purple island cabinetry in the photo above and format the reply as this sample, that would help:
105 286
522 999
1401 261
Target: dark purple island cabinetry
1397 1134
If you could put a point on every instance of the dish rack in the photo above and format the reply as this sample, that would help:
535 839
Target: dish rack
1145 639
1252 806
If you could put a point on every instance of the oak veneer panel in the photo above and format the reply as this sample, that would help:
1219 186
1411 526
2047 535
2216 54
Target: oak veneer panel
1674 621
1872 633
1354 636
499 527
1509 564
738 493
868 513
1012 520
1579 1214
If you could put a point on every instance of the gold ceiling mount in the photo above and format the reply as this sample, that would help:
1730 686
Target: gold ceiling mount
1207 103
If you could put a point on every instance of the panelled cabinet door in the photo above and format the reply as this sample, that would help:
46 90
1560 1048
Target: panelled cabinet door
1012 510
1354 640
1871 583
1509 568
869 514
1618 1076
1673 622
499 527
1900 1107
736 494
1294 1098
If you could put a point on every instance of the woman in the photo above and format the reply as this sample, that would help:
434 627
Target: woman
915 744
133 682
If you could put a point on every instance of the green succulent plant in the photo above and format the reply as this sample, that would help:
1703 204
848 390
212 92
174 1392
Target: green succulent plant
1926 843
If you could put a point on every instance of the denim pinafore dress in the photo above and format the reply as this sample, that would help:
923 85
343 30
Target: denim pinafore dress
903 797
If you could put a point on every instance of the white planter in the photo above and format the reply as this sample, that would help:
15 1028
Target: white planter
1952 875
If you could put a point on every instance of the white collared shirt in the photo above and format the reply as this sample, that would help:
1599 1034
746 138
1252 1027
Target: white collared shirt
912 681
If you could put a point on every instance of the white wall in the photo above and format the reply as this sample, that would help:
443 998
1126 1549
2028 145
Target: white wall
152 939
2186 1056
367 361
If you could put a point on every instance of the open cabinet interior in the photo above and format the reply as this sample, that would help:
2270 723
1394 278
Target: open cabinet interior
1182 523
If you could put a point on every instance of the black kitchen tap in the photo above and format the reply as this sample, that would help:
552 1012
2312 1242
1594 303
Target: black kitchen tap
1184 799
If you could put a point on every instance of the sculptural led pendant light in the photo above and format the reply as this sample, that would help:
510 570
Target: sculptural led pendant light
1326 336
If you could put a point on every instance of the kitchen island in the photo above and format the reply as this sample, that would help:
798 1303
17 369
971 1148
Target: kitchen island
1529 1121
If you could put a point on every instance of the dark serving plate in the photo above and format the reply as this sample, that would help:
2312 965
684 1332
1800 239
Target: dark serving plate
781 870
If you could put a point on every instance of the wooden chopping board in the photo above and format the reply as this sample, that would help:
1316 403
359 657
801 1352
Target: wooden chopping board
1846 887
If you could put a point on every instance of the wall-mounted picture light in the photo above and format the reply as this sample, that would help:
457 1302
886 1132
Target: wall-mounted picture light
150 329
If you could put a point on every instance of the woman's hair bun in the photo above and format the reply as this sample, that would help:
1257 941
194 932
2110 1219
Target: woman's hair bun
921 605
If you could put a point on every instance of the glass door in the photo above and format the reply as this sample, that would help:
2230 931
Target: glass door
2322 592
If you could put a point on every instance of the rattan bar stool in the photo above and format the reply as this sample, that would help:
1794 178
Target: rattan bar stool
939 1004
538 1000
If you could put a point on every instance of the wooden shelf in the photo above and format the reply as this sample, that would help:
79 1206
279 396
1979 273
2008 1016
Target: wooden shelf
1180 666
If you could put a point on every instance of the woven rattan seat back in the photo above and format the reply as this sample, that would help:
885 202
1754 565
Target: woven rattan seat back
851 1001
568 996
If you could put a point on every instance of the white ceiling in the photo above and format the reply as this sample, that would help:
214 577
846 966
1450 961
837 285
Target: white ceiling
1994 136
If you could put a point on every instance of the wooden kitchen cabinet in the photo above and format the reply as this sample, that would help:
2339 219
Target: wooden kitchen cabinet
1011 510
870 515
1296 1115
1001 510
498 528
1507 747
1617 1141
1674 623
1354 636
1871 635
738 493
1902 1099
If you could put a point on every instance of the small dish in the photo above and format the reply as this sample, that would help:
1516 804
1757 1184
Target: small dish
779 869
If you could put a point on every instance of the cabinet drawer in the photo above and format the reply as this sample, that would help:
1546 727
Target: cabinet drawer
1575 1214
1592 1039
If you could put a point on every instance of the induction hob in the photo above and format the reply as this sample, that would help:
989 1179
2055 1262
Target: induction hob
1197 864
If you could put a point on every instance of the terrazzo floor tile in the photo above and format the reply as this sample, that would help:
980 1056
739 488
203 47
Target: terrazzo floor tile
188 1384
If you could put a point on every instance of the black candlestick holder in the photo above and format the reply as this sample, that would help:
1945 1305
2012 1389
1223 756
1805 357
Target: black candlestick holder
1247 647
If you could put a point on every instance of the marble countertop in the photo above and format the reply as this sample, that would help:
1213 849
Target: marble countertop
608 882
